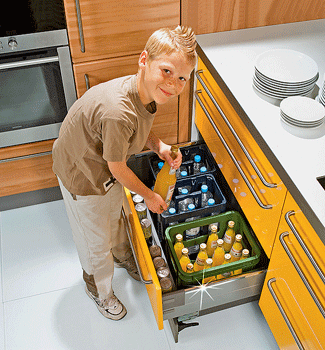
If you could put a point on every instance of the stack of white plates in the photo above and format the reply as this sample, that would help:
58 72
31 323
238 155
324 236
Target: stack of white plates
282 73
321 95
302 111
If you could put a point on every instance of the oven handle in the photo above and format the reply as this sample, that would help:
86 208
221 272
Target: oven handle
20 64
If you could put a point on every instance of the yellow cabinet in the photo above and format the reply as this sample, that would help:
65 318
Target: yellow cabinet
293 295
255 184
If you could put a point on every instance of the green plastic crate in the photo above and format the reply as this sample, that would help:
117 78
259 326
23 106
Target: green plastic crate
195 278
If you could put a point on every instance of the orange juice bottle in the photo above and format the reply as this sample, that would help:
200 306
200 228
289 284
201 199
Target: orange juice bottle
201 257
219 254
245 255
207 265
236 248
229 236
166 179
225 274
212 240
189 268
184 259
178 246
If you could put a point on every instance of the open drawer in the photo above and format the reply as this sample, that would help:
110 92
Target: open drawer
185 303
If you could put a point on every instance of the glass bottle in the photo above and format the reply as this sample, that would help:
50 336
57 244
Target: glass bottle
189 268
219 254
212 240
236 248
228 273
245 255
201 257
184 259
208 265
229 236
178 246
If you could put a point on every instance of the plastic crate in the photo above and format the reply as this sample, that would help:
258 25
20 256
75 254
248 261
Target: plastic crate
188 154
195 278
165 219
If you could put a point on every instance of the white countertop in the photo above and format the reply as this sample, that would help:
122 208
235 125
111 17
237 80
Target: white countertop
300 159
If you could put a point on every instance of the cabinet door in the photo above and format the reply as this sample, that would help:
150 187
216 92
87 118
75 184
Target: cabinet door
293 295
100 29
255 184
88 74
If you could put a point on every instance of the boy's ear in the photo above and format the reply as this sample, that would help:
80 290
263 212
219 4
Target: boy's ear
143 59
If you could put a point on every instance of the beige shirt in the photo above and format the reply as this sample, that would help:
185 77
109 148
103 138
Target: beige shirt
108 123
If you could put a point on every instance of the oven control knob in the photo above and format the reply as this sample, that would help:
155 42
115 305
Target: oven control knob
12 43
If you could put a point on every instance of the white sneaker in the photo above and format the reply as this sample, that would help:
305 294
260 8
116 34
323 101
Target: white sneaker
111 308
130 266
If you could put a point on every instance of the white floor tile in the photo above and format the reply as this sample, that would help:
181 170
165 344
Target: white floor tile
68 319
38 252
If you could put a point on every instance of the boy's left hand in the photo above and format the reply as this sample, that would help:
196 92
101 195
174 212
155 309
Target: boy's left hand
164 154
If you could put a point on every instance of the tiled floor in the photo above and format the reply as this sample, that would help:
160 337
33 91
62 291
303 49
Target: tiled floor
44 306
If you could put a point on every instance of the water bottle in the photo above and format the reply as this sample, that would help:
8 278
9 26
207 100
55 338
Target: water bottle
197 164
192 233
183 205
203 170
205 195
172 211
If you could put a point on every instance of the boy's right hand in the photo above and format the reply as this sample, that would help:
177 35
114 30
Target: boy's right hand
155 203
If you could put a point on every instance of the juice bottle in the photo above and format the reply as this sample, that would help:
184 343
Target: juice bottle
178 246
166 179
236 248
219 254
229 236
201 257
208 265
225 274
184 259
212 240
189 268
245 255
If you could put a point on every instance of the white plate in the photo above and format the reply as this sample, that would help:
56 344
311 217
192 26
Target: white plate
301 124
303 109
286 65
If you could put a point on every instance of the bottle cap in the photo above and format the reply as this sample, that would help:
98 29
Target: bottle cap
238 237
211 201
172 211
185 251
160 165
220 242
203 246
179 237
184 191
227 256
204 188
197 158
184 173
245 252
214 228
209 261
191 206
189 266
231 223
203 169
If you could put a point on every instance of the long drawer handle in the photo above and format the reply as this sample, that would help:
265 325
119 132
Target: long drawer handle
302 276
242 146
264 206
81 32
284 315
303 245
87 81
26 63
127 227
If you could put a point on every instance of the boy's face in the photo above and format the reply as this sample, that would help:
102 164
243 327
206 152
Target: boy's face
164 77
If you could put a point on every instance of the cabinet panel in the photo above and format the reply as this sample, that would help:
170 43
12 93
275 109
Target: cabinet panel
304 314
262 209
115 28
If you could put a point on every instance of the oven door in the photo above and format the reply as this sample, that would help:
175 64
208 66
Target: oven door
37 89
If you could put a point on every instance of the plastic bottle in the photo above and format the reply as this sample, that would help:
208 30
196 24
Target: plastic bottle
166 179
229 236
212 240
192 233
178 246
184 259
197 164
228 273
189 268
236 248
245 255
205 195
201 257
208 265
219 254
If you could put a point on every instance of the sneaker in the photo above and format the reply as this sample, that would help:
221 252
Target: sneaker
111 308
129 265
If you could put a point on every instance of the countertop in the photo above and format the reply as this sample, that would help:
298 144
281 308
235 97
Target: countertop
298 159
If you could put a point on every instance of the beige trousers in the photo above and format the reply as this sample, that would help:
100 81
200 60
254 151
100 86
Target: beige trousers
99 233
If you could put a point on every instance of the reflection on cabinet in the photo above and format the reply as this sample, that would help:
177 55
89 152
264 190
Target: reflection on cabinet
208 16
293 298
255 184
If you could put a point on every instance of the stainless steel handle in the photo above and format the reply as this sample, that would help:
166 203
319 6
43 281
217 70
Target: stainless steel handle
284 315
127 227
302 276
303 245
264 206
20 64
242 146
87 81
81 32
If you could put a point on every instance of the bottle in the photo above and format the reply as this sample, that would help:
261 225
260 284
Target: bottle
245 255
166 179
192 233
208 265
236 248
219 254
197 164
201 257
189 268
228 273
184 260
212 240
178 246
205 195
229 236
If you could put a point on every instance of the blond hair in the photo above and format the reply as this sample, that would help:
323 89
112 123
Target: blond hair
166 41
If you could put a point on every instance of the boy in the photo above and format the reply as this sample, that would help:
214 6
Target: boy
108 124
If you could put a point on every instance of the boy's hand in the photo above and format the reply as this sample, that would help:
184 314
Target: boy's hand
164 154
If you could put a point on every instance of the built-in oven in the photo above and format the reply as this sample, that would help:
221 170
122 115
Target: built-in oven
36 76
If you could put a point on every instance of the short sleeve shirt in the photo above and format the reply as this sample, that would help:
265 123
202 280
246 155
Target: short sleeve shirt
108 123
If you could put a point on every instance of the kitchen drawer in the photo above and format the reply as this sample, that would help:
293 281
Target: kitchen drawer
293 284
253 181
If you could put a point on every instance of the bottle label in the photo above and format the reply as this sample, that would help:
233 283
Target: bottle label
200 261
235 252
227 239
169 193
172 171
214 244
